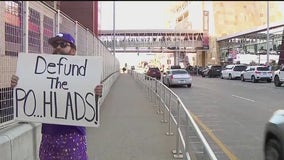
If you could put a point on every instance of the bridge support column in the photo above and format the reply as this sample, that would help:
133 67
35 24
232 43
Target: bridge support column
201 58
175 57
204 57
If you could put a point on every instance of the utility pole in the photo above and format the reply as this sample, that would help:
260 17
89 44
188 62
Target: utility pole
113 43
267 35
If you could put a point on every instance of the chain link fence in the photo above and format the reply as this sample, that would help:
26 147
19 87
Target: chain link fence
26 27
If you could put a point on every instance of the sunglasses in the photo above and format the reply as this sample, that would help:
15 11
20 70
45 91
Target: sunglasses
61 44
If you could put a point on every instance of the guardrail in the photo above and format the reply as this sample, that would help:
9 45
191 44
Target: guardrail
190 142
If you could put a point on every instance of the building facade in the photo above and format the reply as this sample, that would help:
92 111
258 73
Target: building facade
226 19
85 12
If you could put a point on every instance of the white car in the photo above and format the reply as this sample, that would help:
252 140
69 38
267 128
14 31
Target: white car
278 77
179 77
274 137
256 73
233 71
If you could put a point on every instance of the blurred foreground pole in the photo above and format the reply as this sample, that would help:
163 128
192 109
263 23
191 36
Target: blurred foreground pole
267 35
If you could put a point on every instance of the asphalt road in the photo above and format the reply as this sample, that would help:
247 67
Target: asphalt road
235 112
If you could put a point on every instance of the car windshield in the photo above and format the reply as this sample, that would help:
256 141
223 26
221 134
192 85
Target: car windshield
228 67
154 69
179 72
262 68
175 67
240 68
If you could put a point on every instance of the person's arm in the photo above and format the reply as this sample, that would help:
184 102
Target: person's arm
14 81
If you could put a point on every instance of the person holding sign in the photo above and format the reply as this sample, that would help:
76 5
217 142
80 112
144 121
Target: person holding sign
62 142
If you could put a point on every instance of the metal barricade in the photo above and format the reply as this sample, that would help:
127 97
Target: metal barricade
179 120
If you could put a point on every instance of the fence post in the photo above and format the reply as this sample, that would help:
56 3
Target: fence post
76 33
170 133
57 23
164 114
25 26
159 98
87 42
156 94
41 31
186 148
177 153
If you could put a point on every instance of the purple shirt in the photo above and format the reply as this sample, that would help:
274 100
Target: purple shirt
55 129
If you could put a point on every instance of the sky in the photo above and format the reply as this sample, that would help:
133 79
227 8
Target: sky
135 15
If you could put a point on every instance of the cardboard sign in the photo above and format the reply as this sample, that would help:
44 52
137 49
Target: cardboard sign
57 89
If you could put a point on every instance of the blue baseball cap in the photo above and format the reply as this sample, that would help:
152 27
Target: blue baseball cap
63 37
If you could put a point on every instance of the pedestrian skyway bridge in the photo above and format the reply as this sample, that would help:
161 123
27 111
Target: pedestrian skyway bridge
155 40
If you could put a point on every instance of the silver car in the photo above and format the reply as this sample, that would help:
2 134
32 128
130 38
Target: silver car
178 77
274 137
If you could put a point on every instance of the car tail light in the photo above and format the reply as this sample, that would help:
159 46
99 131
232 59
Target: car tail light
172 77
257 72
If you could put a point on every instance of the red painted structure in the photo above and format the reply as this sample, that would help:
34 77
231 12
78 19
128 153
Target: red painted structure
85 12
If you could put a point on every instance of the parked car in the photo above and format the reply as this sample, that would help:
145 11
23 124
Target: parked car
178 77
278 77
175 67
233 71
257 73
153 72
212 71
273 145
172 67
194 70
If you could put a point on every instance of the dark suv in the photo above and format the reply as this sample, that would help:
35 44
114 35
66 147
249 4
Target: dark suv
212 71
153 72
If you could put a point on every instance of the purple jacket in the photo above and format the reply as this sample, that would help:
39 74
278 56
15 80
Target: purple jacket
54 129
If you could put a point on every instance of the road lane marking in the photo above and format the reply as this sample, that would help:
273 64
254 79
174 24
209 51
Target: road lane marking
243 98
223 147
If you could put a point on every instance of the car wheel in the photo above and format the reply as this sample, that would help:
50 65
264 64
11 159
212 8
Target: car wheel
253 79
230 77
209 74
268 80
221 76
189 85
272 150
242 78
277 82
169 85
163 81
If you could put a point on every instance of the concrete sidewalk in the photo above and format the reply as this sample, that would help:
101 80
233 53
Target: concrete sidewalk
129 128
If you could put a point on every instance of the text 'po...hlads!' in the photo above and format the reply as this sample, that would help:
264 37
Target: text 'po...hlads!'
57 89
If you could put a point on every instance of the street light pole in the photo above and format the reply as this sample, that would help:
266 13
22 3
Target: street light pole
113 43
267 35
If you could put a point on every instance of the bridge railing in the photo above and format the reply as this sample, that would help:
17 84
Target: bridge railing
189 40
123 44
190 142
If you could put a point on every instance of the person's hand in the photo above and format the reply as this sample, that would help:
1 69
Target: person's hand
14 81
99 90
